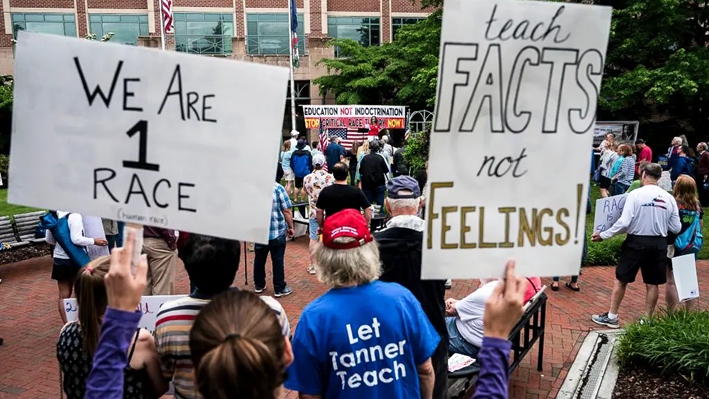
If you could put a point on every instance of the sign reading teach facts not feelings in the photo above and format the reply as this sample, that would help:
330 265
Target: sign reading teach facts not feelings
146 136
510 145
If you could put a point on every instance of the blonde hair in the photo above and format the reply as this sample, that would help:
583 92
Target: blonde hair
343 267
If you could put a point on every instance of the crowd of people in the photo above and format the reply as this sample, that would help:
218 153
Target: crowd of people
395 338
662 216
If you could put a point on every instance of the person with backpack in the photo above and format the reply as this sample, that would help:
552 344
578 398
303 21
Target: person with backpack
684 165
301 162
689 240
70 254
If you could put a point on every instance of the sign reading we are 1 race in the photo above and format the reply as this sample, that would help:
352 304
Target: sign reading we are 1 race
509 162
146 136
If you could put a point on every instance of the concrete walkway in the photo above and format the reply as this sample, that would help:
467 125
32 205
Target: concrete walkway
30 324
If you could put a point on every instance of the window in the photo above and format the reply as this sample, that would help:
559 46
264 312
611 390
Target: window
204 33
57 24
397 23
125 27
268 34
364 30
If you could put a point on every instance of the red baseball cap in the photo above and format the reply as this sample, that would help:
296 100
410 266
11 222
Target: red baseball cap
346 223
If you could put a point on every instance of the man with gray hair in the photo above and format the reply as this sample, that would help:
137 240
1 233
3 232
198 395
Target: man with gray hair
649 213
400 245
363 338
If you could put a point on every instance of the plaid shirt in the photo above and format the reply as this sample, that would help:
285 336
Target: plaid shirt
281 202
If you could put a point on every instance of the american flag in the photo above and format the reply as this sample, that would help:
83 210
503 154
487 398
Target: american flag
167 20
348 137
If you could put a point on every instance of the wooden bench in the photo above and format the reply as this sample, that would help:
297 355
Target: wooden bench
7 233
523 336
25 225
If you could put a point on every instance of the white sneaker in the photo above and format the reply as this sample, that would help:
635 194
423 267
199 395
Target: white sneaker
311 269
449 284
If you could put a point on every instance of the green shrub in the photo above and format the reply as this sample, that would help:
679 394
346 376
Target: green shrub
677 343
4 165
604 253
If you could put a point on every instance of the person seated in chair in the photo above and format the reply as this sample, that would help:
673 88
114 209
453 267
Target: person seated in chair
465 316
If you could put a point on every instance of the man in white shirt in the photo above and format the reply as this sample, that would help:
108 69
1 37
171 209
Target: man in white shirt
465 321
648 214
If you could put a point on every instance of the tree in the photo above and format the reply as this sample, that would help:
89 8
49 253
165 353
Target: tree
403 72
657 68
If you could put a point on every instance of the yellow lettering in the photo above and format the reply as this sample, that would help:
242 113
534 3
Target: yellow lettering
464 228
563 212
481 231
445 227
549 238
526 229
432 215
507 211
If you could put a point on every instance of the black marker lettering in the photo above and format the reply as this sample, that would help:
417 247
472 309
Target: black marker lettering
98 91
558 59
206 107
488 88
155 193
180 196
192 99
591 63
176 76
102 181
136 180
127 94
454 54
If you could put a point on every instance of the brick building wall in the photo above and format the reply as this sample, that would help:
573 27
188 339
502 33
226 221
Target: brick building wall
315 17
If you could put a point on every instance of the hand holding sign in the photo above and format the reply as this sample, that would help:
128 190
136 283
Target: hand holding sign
124 289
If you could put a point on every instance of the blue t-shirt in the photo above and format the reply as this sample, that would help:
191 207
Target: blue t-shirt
333 152
361 342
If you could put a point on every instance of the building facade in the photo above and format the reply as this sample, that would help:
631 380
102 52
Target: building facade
250 30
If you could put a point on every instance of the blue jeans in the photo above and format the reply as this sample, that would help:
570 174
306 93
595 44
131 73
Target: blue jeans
277 248
313 229
619 188
456 342
374 194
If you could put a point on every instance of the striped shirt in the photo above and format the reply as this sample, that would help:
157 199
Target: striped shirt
172 338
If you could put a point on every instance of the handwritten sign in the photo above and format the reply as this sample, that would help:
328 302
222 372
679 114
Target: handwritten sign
353 116
149 307
608 211
515 112
146 136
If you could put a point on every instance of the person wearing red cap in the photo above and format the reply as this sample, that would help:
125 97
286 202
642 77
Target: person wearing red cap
363 338
400 246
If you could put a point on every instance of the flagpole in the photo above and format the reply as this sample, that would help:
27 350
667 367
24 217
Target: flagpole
290 56
162 26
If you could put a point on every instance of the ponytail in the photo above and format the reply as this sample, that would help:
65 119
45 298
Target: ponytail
237 348
92 301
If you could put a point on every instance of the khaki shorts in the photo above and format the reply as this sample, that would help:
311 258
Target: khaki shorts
288 174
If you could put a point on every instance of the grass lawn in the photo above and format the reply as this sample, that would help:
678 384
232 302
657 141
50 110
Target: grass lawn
615 241
9 209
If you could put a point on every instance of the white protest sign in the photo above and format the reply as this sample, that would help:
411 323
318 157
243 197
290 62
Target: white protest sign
145 136
684 270
608 211
515 112
149 307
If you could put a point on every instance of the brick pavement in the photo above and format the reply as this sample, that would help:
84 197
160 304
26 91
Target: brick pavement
30 324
